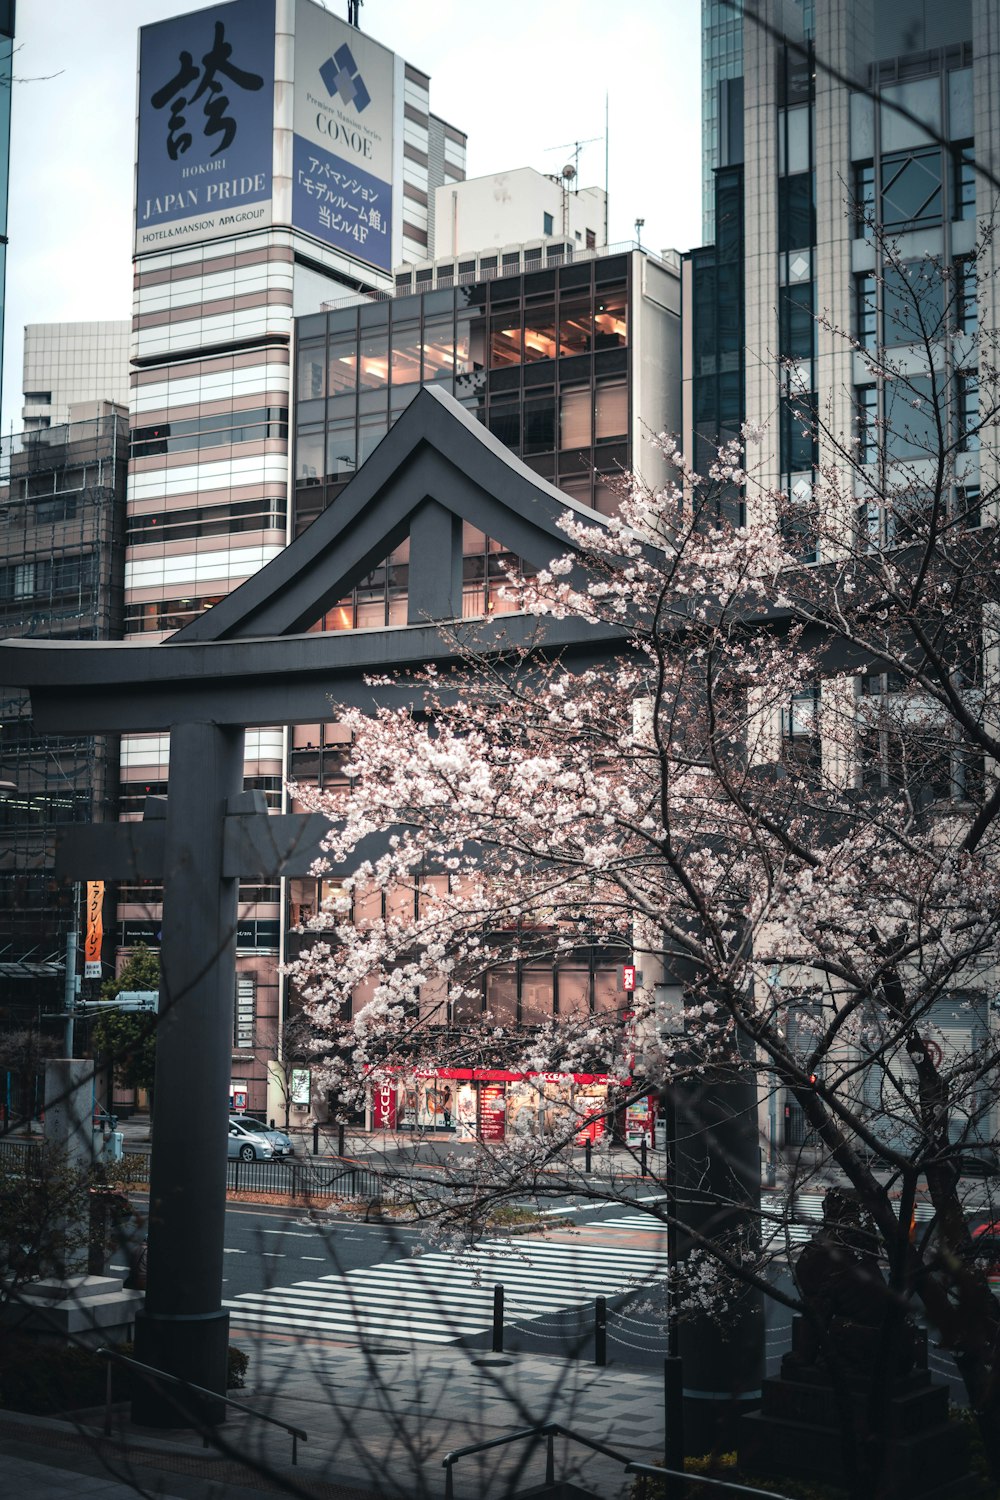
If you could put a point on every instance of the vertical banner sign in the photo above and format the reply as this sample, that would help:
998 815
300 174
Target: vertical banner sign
628 977
342 143
245 1015
492 1111
384 1106
301 1086
94 937
206 125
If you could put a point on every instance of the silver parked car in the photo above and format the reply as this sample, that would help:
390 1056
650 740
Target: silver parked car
247 1143
280 1143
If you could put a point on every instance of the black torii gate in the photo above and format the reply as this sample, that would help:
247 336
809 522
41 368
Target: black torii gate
245 664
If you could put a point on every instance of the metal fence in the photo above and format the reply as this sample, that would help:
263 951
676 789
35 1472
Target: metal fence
293 1179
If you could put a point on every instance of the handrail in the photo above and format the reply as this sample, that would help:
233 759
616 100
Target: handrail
655 1472
161 1375
548 1431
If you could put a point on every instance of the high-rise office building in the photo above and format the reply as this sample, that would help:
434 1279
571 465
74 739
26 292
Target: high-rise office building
293 163
850 179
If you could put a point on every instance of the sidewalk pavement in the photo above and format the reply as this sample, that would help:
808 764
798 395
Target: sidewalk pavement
379 1421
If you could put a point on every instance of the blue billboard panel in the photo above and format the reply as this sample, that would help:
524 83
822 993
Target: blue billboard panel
341 204
206 124
343 128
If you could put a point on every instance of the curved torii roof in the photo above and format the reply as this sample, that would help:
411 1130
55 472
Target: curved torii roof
253 659
436 455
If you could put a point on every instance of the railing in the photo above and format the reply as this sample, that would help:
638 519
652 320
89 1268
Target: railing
292 1178
160 1377
549 1431
566 255
653 1471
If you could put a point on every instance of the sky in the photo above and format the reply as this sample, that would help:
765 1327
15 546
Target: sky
524 78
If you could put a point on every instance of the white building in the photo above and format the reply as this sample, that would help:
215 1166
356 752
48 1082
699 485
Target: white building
513 207
65 363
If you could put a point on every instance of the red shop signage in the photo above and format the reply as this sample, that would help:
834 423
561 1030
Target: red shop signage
384 1106
492 1111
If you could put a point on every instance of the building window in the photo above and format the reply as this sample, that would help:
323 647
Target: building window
796 212
611 319
911 188
611 412
505 339
968 411
799 435
863 197
540 332
800 739
591 239
576 326
865 311
912 302
574 419
963 179
540 425
911 410
868 434
796 327
966 295
548 224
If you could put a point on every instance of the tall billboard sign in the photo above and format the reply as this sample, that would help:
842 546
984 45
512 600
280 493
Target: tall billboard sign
342 141
206 125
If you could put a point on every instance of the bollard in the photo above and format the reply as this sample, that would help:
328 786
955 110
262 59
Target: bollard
587 1147
340 1139
316 1139
498 1319
642 1157
601 1331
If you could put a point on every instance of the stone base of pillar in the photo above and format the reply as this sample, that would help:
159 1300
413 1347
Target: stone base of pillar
89 1310
193 1349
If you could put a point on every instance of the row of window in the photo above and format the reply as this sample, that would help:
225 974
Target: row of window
48 577
219 429
580 417
132 794
906 426
443 347
919 301
267 514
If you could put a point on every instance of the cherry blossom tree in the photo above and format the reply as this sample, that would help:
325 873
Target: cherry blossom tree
772 785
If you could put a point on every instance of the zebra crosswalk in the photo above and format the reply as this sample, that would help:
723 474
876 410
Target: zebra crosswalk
441 1298
782 1221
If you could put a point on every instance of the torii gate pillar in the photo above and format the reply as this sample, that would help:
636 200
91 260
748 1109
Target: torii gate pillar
182 1330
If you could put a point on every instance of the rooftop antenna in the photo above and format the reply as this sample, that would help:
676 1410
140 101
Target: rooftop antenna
639 224
353 9
569 176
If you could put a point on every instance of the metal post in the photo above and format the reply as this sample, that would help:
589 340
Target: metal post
69 985
673 1369
340 1139
550 1462
601 1331
587 1147
498 1318
107 1401
642 1156
316 1140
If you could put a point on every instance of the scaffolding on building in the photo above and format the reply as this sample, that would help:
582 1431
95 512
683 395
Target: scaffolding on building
62 544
